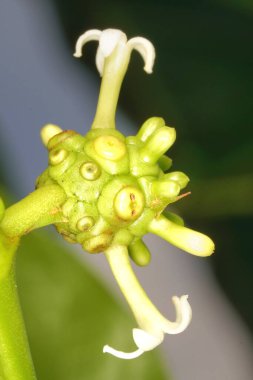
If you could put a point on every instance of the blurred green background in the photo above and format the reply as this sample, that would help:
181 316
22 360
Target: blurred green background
202 85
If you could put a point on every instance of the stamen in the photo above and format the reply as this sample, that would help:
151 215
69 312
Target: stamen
146 50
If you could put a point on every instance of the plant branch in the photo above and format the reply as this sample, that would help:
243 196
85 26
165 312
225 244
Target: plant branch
15 357
38 209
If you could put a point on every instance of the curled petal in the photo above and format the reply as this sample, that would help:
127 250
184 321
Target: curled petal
109 39
146 50
90 35
183 316
122 355
153 325
143 340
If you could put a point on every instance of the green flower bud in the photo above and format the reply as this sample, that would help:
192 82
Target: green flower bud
149 127
165 163
173 217
184 238
157 144
139 253
178 177
165 190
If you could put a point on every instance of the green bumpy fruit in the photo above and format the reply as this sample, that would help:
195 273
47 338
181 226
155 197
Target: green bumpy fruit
115 185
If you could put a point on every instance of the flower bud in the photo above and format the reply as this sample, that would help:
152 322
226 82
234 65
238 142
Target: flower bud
178 177
157 144
149 127
49 131
139 253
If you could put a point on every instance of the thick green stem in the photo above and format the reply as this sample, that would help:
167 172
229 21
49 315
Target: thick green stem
38 209
115 67
15 357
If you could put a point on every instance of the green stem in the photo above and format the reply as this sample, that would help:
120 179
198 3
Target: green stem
15 357
115 67
38 209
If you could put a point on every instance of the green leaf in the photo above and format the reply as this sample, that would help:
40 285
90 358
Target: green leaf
70 316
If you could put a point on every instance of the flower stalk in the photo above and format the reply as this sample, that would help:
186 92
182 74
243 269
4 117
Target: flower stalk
15 357
112 61
153 325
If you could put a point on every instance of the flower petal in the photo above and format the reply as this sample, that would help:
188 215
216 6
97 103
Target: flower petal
90 35
146 341
183 316
121 354
146 50
108 41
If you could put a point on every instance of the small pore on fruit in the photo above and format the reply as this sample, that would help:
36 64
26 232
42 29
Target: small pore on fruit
90 171
109 147
57 156
85 223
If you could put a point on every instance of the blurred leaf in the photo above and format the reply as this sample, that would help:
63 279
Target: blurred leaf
219 198
245 5
70 316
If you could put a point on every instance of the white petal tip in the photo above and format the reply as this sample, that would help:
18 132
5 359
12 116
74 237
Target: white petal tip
146 50
183 315
90 35
122 355
148 70
77 55
146 341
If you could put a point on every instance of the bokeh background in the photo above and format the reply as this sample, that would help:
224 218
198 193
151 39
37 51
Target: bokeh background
202 85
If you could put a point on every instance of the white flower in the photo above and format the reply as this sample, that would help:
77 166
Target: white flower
109 40
153 325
